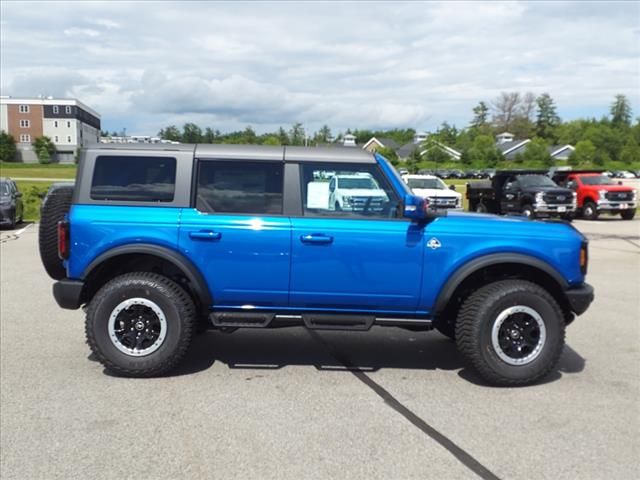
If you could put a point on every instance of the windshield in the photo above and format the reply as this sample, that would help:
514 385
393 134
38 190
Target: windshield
353 183
597 180
4 188
433 183
536 181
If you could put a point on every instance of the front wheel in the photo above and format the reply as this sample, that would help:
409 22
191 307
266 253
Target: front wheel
528 211
511 332
590 211
628 214
140 324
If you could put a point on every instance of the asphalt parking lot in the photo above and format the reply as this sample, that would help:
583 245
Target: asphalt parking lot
287 403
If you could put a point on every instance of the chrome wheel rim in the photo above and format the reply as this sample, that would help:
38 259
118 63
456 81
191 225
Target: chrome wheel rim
137 327
518 335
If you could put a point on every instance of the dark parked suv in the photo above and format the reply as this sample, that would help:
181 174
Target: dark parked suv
157 242
11 205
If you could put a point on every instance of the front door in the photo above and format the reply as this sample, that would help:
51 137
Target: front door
237 235
351 249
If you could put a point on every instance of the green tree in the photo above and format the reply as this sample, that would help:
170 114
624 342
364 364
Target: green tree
323 135
620 112
480 116
209 136
249 136
8 148
170 133
389 154
584 153
191 133
536 151
296 134
631 152
283 137
271 140
547 119
483 152
436 154
45 149
413 160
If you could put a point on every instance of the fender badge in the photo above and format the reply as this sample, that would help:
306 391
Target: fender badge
434 243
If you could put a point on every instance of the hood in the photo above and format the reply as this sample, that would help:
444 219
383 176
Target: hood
555 190
362 192
610 188
436 193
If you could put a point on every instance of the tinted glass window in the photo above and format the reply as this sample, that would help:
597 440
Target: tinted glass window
240 187
347 190
137 179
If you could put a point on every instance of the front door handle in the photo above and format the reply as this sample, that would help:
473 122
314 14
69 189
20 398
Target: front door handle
205 235
316 238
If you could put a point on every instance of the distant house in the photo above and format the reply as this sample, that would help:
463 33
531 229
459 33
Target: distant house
511 147
349 140
377 143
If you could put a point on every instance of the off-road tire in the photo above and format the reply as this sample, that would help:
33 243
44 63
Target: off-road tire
628 214
54 207
475 322
590 211
175 303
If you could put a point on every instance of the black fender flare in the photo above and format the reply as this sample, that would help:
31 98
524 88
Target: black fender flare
484 261
194 275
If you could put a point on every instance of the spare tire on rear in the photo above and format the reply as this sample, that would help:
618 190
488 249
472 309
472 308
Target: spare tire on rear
54 207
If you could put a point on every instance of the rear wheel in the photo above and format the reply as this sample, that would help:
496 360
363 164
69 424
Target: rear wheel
590 210
511 332
54 207
628 214
140 324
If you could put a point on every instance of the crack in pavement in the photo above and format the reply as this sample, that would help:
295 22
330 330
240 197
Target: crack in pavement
459 453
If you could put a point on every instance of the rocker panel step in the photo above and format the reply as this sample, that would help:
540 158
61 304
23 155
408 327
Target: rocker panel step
319 321
241 319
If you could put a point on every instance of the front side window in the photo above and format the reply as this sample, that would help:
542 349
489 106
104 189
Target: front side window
348 190
529 181
138 179
426 183
240 187
597 180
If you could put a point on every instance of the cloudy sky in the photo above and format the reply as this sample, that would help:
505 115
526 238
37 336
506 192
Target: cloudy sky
145 65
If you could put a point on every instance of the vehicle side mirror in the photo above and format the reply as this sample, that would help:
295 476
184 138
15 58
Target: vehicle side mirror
18 194
452 187
508 186
416 208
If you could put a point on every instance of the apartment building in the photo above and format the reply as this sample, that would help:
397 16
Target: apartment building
69 123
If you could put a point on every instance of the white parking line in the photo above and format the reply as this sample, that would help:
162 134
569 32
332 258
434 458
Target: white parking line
21 231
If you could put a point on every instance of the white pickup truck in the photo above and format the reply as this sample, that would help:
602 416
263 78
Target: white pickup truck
435 190
356 193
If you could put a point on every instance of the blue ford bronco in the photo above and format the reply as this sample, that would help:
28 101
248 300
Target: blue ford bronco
156 243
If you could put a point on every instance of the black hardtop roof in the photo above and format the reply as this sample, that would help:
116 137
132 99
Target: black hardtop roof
248 152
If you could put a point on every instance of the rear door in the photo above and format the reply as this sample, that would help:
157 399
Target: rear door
510 196
363 256
236 233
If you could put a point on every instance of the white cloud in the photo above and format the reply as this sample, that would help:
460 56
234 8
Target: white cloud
389 64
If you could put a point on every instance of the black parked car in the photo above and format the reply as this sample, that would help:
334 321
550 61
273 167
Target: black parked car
11 206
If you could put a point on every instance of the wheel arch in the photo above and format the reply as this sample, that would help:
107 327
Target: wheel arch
146 257
493 267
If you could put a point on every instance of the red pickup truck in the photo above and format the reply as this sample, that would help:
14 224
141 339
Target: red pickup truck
597 193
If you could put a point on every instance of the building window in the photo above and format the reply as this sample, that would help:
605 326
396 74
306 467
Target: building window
67 109
24 108
56 109
56 139
69 138
25 123
25 138
68 124
55 123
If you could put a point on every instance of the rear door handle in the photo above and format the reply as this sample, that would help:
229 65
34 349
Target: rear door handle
205 235
316 238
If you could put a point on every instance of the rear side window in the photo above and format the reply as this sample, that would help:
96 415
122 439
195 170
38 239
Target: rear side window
240 187
134 179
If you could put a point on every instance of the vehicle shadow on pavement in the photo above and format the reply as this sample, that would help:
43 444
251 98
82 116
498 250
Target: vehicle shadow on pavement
570 362
330 351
